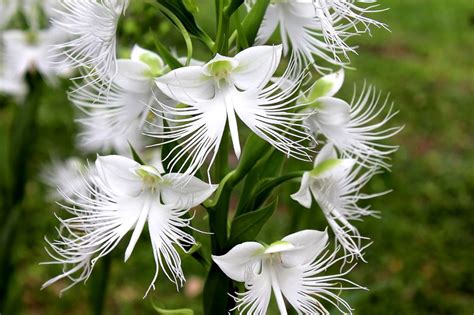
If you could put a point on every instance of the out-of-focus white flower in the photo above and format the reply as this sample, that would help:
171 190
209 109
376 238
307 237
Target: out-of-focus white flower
115 117
291 268
316 28
354 128
93 26
24 51
123 196
222 90
65 178
7 8
336 186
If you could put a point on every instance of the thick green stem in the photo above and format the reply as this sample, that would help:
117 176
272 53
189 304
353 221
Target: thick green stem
100 280
21 144
6 252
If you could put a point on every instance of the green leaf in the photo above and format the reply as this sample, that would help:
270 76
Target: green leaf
135 155
253 20
183 14
269 166
265 187
254 149
246 227
191 6
164 53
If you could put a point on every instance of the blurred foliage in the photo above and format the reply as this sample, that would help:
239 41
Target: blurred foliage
421 258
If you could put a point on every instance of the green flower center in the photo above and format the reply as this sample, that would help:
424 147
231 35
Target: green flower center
150 176
154 63
221 69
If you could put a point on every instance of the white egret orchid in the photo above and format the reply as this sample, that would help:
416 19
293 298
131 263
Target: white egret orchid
93 26
65 178
25 51
335 186
123 196
115 118
290 268
352 128
316 28
8 8
222 90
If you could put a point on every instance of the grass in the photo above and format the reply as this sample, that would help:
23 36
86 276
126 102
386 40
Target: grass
421 258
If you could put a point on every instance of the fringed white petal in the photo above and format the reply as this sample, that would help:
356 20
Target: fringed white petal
317 29
93 25
98 224
118 116
165 224
255 300
301 31
66 177
298 279
107 211
305 288
359 136
198 129
338 197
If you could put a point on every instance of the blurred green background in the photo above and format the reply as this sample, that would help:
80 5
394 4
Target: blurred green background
421 261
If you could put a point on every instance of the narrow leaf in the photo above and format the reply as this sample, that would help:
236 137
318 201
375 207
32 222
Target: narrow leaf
246 227
253 20
135 155
164 53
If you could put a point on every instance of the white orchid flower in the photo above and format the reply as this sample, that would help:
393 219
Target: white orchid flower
123 196
335 186
315 28
222 90
92 25
352 128
120 115
7 8
65 178
25 51
291 268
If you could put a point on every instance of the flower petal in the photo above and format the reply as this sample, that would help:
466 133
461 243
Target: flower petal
137 205
269 24
332 111
187 84
328 165
241 262
308 245
166 225
133 76
256 66
193 193
118 173
303 195
151 59
328 85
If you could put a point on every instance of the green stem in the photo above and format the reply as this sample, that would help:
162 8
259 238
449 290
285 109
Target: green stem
6 252
221 168
20 147
98 293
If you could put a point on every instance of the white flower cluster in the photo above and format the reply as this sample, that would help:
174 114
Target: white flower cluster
29 50
317 29
133 101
